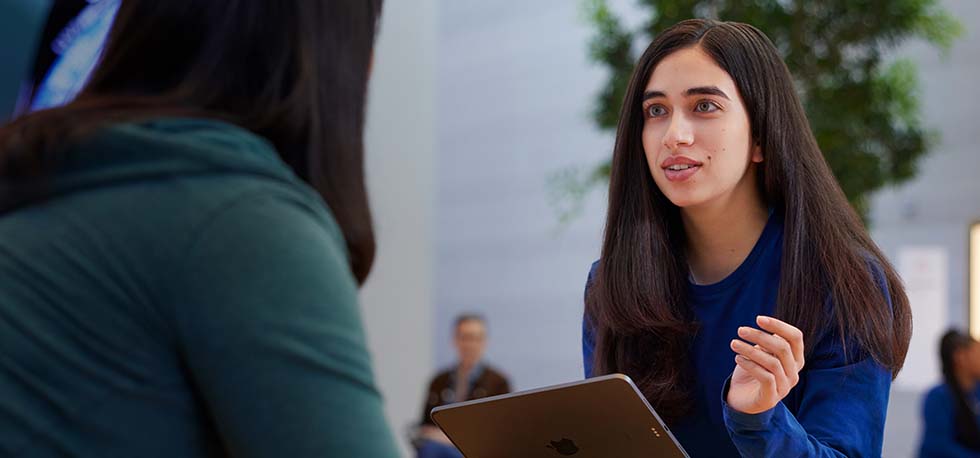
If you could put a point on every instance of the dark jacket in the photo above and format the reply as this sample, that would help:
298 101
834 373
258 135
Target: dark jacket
485 381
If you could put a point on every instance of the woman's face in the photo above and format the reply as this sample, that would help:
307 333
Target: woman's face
968 359
696 133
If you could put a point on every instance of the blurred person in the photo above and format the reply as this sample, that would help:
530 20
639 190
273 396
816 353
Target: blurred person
184 240
951 410
469 378
736 286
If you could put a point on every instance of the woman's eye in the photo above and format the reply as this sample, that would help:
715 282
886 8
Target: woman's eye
705 107
656 111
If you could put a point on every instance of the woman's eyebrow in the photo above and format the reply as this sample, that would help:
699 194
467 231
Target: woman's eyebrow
706 90
700 90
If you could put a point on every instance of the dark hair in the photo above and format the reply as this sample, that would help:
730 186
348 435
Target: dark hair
967 430
464 317
292 71
638 299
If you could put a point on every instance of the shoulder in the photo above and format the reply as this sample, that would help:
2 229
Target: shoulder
441 378
587 324
274 231
262 249
590 279
261 232
936 400
877 270
937 395
262 261
593 269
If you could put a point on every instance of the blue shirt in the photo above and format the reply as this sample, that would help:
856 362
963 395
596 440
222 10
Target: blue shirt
837 408
939 417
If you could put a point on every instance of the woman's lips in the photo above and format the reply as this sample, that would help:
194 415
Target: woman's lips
681 175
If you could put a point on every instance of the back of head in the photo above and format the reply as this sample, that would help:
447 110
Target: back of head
951 342
292 71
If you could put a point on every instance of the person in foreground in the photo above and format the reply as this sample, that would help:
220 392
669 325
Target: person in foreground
951 410
736 286
183 243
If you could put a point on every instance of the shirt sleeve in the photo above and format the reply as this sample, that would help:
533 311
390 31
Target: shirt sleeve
939 436
841 414
841 402
269 327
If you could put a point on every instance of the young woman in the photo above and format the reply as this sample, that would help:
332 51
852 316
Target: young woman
951 411
183 243
736 286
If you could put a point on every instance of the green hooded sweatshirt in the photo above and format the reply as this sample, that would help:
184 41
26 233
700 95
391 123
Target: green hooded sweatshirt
181 293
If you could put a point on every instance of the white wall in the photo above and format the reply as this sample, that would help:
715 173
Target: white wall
400 143
515 93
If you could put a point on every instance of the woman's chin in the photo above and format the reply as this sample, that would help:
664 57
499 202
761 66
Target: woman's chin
681 195
684 200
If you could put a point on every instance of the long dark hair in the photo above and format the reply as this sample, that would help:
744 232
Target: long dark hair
638 300
292 71
967 430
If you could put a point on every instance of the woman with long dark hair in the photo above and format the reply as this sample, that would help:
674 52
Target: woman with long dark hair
736 286
182 243
951 410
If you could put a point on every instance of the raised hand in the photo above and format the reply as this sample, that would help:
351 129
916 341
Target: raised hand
766 371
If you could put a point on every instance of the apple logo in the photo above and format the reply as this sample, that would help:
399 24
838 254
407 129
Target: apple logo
564 447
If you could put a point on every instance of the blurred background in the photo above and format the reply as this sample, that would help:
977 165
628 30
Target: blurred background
488 132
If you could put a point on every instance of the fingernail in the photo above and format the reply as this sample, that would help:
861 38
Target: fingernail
763 319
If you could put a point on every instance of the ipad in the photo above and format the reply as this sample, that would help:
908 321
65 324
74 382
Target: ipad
600 417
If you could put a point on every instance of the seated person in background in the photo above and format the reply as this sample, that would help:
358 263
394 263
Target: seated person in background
950 409
470 378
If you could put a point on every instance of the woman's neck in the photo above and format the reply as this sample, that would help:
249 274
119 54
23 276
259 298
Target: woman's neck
721 236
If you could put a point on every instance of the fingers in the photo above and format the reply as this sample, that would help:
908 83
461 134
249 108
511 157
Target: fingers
775 345
772 365
790 333
766 379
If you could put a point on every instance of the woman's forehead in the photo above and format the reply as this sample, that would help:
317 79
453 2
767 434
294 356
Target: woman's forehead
688 68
